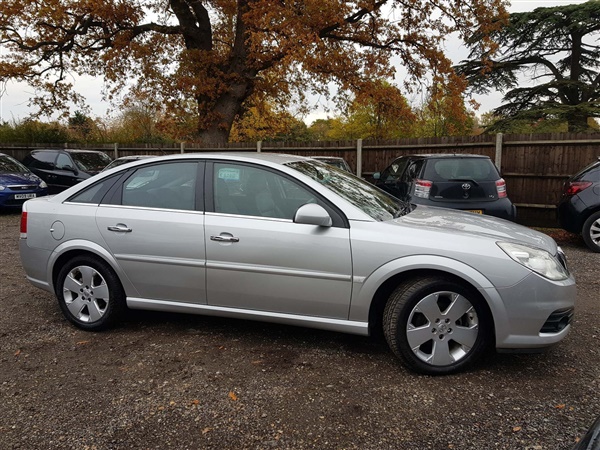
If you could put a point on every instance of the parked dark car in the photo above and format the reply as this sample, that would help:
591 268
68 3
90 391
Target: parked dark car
591 440
466 182
336 161
18 183
579 206
61 169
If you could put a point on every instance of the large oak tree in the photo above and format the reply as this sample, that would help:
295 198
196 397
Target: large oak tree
213 55
547 64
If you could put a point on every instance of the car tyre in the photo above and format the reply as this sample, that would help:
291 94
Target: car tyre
436 326
90 294
591 232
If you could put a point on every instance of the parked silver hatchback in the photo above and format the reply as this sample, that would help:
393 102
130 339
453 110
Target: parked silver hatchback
292 240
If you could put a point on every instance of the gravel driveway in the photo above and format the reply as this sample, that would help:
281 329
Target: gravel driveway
168 381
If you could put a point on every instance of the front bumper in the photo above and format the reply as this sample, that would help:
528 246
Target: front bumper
537 313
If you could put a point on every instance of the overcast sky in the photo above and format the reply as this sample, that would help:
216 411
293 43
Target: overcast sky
13 102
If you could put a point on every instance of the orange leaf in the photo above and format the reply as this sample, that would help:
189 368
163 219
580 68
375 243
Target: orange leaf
83 342
515 429
232 396
195 402
18 352
206 430
561 406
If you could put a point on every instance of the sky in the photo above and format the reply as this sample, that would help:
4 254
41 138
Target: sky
13 101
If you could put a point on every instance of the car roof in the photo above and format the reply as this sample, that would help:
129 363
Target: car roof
69 150
444 155
339 158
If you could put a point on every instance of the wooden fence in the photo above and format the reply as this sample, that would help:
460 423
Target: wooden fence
534 166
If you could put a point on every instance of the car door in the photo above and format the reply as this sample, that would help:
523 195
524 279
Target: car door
153 224
259 259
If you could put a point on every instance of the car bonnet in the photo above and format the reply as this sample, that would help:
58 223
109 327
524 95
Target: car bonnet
454 221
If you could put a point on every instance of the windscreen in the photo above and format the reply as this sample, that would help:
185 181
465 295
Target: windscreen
92 161
11 165
476 169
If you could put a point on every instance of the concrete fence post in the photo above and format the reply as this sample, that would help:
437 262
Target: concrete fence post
182 147
259 146
116 150
359 143
499 151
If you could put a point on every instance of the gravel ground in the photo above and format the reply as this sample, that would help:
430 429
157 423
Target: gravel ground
169 381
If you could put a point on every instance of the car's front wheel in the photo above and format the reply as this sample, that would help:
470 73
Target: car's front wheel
591 232
89 293
436 325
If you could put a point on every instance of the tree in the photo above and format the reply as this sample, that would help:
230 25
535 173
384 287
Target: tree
444 113
219 53
558 47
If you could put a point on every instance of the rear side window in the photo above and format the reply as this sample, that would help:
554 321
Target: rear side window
166 186
448 169
42 160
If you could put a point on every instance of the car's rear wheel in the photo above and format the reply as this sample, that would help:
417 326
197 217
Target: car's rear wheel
436 325
89 293
591 232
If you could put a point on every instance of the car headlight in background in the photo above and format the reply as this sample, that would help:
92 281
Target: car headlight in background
43 184
2 187
540 261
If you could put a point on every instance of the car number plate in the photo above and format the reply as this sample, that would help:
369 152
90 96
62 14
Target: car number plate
24 196
476 211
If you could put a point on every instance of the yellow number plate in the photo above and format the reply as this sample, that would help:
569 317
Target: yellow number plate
476 211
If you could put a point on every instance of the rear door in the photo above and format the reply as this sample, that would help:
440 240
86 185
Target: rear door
153 223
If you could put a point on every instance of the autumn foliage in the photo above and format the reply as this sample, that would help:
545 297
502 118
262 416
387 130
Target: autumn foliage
208 59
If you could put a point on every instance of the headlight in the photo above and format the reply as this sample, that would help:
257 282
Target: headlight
540 261
2 187
43 184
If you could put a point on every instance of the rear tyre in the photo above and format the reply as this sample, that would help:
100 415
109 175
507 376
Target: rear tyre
436 326
89 293
591 232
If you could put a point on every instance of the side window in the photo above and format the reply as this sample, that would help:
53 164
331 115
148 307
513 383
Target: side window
43 160
411 171
96 192
64 162
167 186
251 191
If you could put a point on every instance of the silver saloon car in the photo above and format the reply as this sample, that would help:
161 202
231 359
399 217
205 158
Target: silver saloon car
292 240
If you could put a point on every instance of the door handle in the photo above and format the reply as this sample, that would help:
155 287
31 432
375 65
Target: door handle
225 239
121 228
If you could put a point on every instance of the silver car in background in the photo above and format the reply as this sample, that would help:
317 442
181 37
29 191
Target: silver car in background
292 240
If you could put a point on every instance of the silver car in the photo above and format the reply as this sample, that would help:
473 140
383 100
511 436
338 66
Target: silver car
292 240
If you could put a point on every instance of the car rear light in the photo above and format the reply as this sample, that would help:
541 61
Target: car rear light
23 234
575 187
422 188
501 188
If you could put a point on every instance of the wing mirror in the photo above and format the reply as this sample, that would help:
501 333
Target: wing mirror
377 175
313 214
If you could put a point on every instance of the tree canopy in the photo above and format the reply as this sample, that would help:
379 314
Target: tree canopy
208 57
557 48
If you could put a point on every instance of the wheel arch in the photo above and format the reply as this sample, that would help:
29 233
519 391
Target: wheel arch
376 289
72 249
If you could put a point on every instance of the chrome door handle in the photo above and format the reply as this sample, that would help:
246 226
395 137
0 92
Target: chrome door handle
224 239
120 228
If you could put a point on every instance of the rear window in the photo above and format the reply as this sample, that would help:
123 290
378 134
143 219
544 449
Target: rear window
446 169
590 173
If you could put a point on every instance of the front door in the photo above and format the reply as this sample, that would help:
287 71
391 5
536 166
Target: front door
259 259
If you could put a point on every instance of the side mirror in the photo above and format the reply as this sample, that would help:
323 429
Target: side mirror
377 175
313 214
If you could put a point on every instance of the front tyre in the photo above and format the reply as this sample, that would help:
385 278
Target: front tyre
591 232
89 293
436 325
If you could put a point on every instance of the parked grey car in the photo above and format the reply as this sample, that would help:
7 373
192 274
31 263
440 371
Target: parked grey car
290 240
